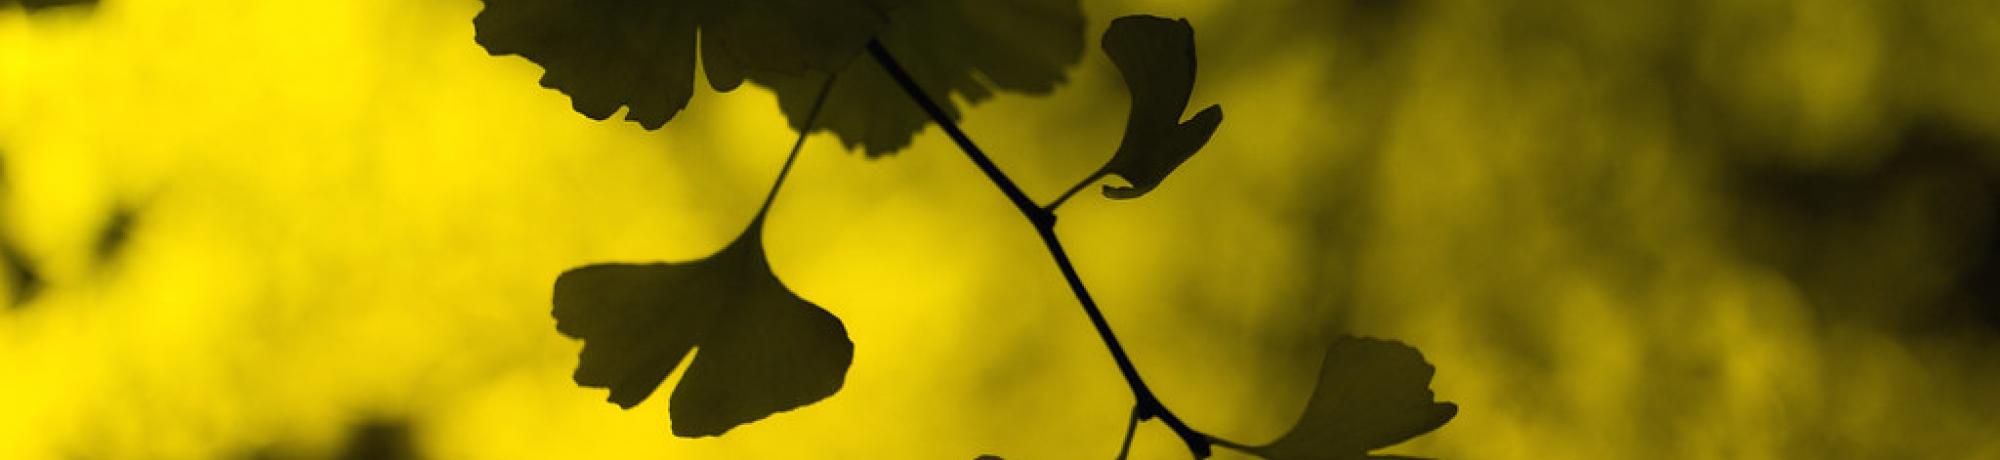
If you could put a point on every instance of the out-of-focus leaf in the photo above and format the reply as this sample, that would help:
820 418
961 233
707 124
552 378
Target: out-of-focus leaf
381 439
36 5
760 349
22 278
23 281
641 53
967 48
1372 393
116 233
1156 57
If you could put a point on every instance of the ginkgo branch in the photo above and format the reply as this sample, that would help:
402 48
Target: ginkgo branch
1147 405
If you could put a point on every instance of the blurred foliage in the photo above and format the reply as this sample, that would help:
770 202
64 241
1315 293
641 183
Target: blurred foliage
38 5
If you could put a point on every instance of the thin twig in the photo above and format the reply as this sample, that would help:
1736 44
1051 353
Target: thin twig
804 131
1147 406
1234 445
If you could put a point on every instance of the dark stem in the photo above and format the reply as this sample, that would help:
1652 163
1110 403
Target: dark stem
1234 445
1051 207
812 116
1125 449
1147 406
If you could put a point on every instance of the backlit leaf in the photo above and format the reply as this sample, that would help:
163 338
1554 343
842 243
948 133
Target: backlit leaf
970 49
607 54
1372 393
640 54
758 348
1156 57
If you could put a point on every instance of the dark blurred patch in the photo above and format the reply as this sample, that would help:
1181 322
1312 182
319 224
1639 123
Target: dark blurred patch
1977 295
21 276
1361 31
380 439
23 281
375 438
112 238
1909 243
37 5
1373 25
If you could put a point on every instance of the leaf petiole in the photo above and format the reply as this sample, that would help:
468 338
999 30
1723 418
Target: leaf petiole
1092 179
804 132
1125 448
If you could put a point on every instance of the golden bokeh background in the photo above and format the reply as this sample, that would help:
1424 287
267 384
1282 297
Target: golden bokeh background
1710 229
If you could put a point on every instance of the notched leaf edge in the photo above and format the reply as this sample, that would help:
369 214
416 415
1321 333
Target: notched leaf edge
758 348
1156 58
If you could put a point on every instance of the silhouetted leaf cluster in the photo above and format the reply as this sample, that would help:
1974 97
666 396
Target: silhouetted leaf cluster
759 348
641 54
964 48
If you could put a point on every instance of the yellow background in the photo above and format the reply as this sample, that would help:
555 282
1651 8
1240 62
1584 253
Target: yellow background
348 212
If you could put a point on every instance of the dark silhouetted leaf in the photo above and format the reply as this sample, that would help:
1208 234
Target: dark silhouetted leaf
641 53
968 48
761 348
1372 393
1156 57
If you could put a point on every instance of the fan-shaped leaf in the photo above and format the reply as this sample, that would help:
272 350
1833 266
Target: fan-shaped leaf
967 48
1156 57
760 349
641 53
1372 393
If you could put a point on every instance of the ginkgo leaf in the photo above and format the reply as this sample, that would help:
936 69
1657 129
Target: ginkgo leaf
640 54
758 348
1156 57
1372 393
967 48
